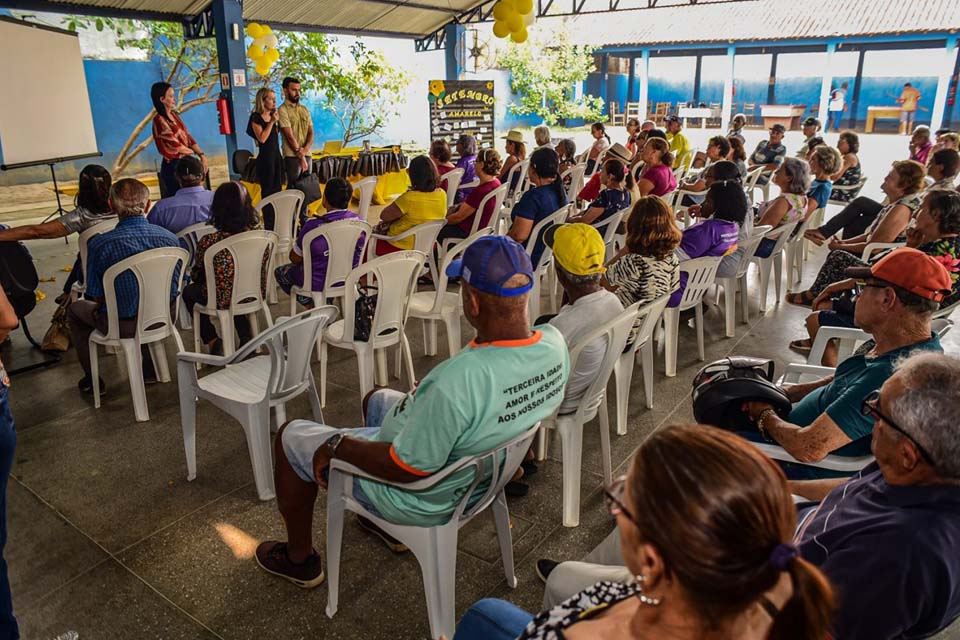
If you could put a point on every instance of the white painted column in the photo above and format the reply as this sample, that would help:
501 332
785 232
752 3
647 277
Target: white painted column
644 69
727 107
825 85
943 84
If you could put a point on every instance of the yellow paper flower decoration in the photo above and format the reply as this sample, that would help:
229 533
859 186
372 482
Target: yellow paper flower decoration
490 86
437 87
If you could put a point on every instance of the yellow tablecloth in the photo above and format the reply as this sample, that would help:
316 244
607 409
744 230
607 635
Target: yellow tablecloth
388 184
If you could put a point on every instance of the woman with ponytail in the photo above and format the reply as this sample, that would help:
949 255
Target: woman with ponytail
601 142
617 183
705 523
546 197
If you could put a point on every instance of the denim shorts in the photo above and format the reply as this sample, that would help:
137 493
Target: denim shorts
302 438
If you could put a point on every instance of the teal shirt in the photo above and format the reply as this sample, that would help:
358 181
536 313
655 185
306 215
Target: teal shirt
484 396
855 378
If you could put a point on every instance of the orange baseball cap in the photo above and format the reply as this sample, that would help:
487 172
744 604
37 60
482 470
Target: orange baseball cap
911 270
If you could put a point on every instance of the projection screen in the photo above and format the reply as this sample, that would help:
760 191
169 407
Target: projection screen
45 111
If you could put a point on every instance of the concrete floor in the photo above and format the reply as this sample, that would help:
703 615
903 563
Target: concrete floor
107 538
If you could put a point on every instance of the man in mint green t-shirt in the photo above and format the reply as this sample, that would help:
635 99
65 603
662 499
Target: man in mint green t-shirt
504 382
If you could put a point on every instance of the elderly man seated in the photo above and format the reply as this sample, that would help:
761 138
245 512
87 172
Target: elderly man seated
189 205
886 537
541 135
769 154
500 385
899 293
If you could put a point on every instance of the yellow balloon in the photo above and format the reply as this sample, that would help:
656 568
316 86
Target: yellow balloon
262 67
265 29
523 7
272 55
254 30
500 29
515 22
519 36
269 40
529 18
254 52
501 10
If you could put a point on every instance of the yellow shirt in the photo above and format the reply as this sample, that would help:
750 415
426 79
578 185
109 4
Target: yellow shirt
297 117
909 99
679 146
417 207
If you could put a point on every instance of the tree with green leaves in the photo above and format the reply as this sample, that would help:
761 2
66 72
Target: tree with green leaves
544 71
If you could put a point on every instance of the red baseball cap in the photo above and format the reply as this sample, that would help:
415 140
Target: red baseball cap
911 270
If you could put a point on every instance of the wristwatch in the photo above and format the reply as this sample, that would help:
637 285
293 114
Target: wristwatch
333 443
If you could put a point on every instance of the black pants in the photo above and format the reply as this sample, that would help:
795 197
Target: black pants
854 220
192 294
168 178
293 171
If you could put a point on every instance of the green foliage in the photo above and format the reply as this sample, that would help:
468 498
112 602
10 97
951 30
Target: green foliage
544 71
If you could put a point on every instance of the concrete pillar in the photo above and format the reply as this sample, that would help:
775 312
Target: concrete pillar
232 57
826 83
727 90
943 84
644 83
604 65
452 37
631 80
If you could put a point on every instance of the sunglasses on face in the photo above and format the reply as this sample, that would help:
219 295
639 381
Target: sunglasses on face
871 407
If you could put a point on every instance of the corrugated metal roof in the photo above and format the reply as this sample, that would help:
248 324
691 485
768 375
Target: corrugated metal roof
762 20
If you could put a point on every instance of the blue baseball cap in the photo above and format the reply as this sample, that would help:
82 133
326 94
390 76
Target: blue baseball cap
489 263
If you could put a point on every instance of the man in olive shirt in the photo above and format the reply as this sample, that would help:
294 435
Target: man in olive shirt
297 129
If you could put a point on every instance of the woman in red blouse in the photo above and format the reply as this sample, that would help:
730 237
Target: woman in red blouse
171 137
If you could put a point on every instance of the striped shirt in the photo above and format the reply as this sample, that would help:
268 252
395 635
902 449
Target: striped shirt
643 278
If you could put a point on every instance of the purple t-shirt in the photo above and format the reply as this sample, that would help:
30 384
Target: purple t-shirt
708 238
476 196
318 248
469 175
662 178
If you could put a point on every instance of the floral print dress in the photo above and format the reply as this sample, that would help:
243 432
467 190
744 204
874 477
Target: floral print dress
223 269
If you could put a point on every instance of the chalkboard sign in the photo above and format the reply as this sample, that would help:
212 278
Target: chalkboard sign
461 106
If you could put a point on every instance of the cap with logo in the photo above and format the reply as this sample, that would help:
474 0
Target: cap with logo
672 118
577 247
811 122
911 270
489 263
779 128
514 136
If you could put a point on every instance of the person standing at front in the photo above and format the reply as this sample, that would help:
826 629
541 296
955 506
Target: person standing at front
263 128
909 100
296 125
8 442
171 137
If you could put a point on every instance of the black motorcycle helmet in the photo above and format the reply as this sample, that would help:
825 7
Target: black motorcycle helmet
721 388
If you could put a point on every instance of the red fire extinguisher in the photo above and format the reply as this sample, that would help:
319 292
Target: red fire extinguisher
223 114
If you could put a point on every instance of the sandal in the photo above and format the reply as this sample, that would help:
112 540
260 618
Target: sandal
802 346
800 298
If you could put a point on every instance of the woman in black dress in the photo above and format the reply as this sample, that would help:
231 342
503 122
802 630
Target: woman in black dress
263 128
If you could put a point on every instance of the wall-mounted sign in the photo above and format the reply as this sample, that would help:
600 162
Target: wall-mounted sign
461 106
239 77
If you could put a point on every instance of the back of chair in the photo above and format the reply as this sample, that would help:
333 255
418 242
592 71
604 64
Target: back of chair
395 278
452 178
87 234
290 344
557 217
701 272
608 229
498 195
342 239
156 272
365 187
806 223
749 247
519 170
247 250
191 235
452 254
750 181
616 332
781 234
286 206
648 317
946 312
575 173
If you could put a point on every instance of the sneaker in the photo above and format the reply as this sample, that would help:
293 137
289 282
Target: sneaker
516 489
272 558
86 385
544 568
392 543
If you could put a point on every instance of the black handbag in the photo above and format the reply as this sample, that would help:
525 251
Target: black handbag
364 310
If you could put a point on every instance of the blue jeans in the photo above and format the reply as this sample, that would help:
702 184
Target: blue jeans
833 120
8 442
492 619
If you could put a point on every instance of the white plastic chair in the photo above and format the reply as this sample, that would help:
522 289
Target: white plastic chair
739 282
248 387
190 236
452 178
435 548
247 250
85 236
648 317
519 169
395 277
853 189
750 182
680 208
365 197
701 274
498 196
286 207
849 338
593 403
342 239
154 271
795 246
874 247
442 305
542 268
575 173
608 229
774 261
424 239
842 464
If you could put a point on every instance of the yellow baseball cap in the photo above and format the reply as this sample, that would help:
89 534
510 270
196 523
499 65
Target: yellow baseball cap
577 247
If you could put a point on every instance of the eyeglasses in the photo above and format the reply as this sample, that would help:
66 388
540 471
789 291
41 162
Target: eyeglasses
859 286
613 499
871 407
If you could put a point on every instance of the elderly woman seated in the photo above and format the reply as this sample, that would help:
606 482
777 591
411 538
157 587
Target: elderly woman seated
849 173
790 207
